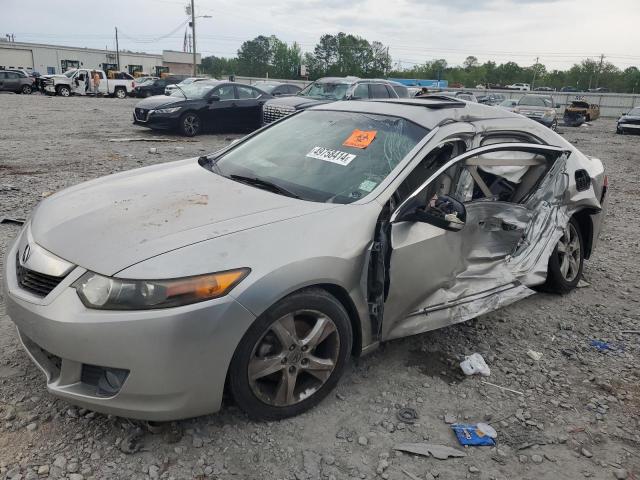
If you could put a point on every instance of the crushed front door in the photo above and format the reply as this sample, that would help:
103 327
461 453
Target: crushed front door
440 277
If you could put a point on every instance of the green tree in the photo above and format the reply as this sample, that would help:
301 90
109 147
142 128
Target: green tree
254 57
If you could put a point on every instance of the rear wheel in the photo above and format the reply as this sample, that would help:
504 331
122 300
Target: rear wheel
26 89
63 91
566 261
190 124
120 93
292 356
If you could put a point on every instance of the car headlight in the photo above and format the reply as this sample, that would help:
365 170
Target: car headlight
168 110
550 113
105 293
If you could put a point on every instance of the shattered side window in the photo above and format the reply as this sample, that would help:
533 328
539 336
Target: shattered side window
501 183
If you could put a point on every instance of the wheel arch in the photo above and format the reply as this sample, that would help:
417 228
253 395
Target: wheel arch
347 302
585 222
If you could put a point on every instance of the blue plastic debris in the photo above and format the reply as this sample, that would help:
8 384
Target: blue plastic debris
470 434
600 345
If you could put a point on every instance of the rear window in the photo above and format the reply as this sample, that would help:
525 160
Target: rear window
325 156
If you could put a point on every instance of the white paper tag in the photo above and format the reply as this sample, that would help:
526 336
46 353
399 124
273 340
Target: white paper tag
333 156
367 186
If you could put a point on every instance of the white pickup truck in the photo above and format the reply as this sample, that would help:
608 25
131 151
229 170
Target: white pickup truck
78 82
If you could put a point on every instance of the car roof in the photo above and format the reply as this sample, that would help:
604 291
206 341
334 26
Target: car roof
428 111
338 80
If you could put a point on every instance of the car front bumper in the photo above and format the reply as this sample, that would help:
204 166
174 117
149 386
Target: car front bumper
176 359
629 127
158 121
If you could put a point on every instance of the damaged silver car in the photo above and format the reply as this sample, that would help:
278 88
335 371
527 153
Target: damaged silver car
263 267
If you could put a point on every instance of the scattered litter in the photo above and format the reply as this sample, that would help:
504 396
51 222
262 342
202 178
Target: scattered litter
583 283
440 452
472 435
533 355
153 150
585 124
602 346
475 364
449 418
502 388
13 221
407 415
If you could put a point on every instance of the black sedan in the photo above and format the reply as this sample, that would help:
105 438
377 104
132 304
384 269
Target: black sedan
203 106
629 122
156 86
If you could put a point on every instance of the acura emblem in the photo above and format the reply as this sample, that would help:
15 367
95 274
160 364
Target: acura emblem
26 254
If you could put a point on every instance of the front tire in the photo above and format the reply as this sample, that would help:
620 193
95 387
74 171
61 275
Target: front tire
292 356
64 91
190 124
26 90
566 261
554 126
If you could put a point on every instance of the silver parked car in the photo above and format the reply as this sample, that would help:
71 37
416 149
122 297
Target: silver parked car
266 265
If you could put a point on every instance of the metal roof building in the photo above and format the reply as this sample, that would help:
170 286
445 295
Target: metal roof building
51 59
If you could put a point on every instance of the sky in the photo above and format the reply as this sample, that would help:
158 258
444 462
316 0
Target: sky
559 32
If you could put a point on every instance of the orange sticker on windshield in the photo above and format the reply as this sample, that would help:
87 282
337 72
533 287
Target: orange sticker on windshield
360 138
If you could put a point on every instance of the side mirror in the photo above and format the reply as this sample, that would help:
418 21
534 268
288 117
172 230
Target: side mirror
213 98
442 211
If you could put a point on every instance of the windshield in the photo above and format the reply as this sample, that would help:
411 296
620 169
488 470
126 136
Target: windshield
266 87
535 101
508 103
187 81
323 90
69 73
193 91
336 157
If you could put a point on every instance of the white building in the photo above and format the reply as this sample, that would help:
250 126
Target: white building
50 59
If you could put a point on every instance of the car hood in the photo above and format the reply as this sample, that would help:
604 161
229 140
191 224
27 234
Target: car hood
533 108
158 101
298 101
629 118
111 223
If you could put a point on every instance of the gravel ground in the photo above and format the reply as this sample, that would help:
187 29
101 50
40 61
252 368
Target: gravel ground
578 415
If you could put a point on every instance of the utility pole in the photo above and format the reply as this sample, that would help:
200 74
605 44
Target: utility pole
599 70
117 50
193 34
535 71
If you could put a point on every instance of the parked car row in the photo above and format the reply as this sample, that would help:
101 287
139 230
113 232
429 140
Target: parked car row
202 105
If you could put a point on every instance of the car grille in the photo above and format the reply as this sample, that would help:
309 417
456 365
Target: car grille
532 113
271 113
141 114
37 283
632 122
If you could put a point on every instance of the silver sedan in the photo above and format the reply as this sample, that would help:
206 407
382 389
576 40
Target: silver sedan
266 265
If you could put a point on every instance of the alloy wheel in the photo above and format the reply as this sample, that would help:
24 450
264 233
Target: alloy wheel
294 358
120 93
191 125
569 253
